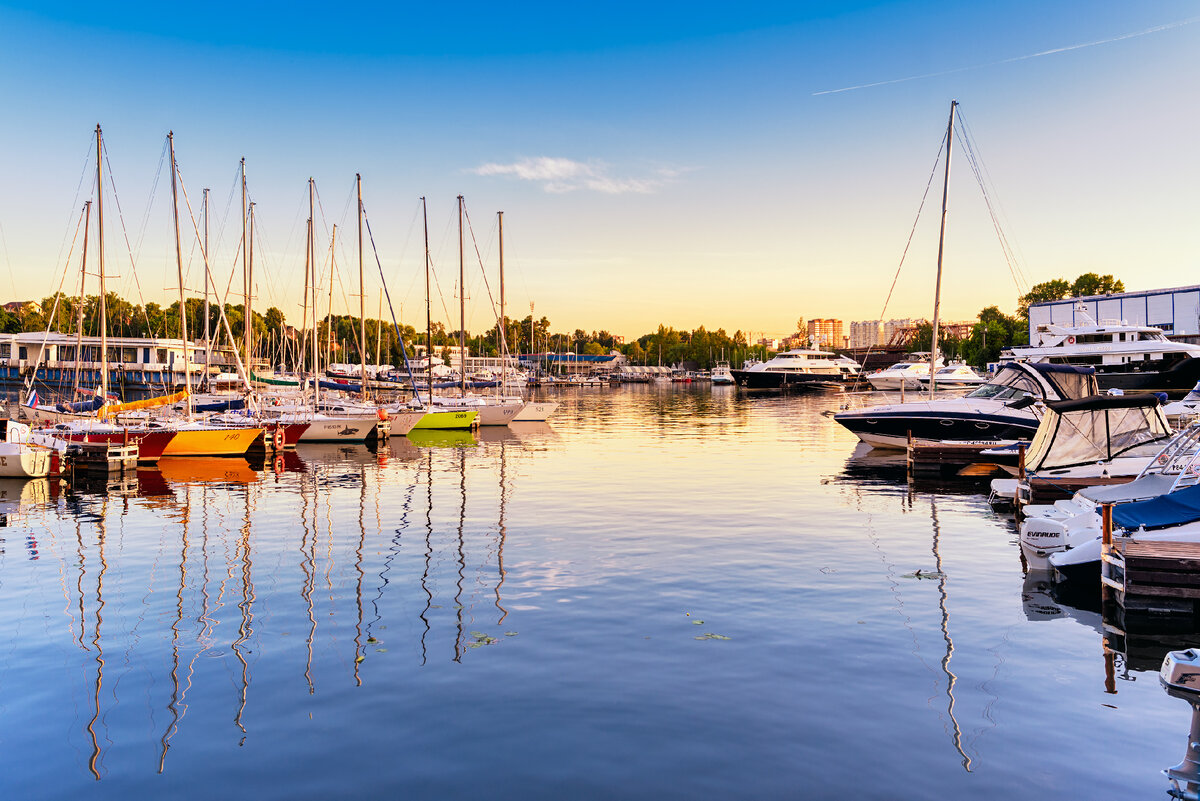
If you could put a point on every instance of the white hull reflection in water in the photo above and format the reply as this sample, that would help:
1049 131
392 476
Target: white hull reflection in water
670 593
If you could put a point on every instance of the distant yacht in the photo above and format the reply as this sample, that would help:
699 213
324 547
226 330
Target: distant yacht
799 368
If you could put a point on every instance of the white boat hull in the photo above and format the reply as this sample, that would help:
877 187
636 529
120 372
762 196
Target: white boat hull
339 429
19 460
536 412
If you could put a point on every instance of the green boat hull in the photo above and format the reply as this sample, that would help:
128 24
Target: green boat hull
446 421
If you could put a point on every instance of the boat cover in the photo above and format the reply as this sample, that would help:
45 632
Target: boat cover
224 405
92 404
1173 509
1150 485
1088 430
1068 380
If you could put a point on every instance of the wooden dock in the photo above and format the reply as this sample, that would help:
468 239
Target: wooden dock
1155 577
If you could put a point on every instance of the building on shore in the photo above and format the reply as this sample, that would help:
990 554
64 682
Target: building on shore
1176 311
826 333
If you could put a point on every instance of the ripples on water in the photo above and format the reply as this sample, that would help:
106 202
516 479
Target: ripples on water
543 613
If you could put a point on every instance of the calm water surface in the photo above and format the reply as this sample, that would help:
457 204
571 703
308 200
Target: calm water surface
670 593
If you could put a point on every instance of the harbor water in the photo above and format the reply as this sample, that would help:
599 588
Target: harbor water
672 591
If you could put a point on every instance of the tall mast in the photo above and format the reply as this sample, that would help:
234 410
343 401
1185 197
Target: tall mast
362 295
462 307
87 221
100 261
503 343
379 332
245 270
329 316
428 312
207 312
249 321
312 260
937 292
183 334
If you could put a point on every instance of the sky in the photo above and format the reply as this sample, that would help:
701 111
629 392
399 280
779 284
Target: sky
673 163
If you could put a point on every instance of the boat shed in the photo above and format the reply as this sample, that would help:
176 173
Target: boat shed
1176 311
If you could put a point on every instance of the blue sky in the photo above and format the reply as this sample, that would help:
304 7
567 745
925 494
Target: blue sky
668 164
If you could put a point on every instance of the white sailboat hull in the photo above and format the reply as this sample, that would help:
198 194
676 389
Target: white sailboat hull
536 412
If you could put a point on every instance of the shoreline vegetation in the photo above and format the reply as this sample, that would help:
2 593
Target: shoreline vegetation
276 339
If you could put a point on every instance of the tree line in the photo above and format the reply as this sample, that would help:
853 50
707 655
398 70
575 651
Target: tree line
279 343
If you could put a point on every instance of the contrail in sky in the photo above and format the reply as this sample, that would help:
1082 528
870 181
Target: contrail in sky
1134 35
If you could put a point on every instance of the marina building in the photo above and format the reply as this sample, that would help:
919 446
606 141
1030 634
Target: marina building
1176 311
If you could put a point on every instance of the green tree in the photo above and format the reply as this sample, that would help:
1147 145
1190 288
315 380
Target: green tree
1056 289
1093 284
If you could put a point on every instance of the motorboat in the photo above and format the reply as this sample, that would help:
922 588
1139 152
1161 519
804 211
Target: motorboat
1125 357
954 376
721 375
1049 529
799 368
1173 517
901 375
1005 408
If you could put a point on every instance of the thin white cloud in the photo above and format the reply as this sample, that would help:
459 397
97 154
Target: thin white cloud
1052 51
560 175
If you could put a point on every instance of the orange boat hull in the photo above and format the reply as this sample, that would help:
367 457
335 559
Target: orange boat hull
212 442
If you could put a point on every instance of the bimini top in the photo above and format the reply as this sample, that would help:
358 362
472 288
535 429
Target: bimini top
1088 430
1173 509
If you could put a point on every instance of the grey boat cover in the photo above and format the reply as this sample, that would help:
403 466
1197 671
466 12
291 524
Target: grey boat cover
1150 485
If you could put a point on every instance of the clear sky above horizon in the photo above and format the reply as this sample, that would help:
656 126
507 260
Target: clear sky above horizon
657 163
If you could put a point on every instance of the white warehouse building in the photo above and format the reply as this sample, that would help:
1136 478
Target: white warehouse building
1176 311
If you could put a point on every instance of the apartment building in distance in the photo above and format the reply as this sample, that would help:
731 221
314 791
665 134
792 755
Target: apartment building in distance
877 333
826 333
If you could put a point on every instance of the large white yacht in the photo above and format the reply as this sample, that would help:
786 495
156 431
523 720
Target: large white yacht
1126 357
799 368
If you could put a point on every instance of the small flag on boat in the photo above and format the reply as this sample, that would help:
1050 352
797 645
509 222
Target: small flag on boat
32 400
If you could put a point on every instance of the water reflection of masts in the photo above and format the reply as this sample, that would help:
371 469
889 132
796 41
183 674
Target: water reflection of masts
308 565
173 706
462 559
502 533
246 626
428 551
358 557
950 677
102 530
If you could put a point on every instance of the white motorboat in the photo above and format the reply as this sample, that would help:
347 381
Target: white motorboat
953 376
721 375
1005 408
1066 524
901 375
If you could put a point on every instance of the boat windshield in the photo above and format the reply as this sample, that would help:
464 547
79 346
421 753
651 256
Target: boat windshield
1007 385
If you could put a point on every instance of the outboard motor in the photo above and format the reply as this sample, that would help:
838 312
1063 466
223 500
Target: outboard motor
1180 676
